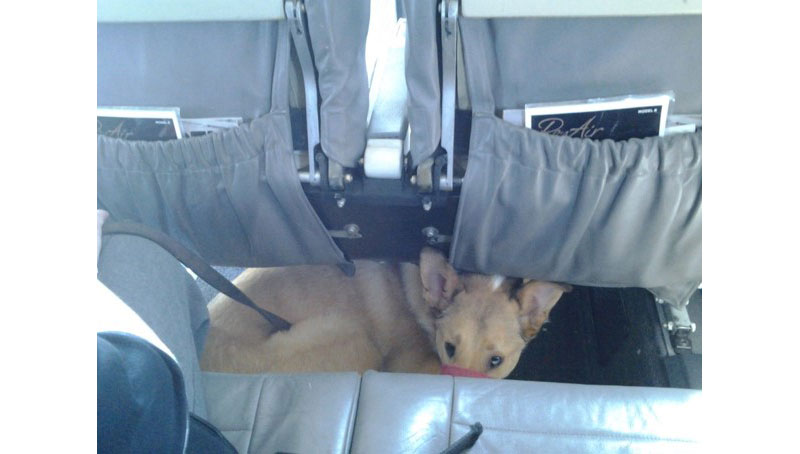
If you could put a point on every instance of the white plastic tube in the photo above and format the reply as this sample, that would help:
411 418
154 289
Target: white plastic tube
383 158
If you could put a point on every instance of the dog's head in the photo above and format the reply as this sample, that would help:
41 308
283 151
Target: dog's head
482 323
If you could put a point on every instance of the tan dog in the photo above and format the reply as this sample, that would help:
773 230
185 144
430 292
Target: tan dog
388 317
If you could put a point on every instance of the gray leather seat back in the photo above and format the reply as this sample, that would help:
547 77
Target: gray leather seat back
208 69
234 196
588 212
425 414
403 413
297 413
557 417
224 68
534 60
544 59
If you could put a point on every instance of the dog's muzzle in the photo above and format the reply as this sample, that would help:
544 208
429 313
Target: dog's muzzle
449 369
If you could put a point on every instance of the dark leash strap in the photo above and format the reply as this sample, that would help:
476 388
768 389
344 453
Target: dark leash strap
195 263
467 441
460 446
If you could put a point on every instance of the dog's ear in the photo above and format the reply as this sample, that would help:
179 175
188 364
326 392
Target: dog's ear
536 299
439 280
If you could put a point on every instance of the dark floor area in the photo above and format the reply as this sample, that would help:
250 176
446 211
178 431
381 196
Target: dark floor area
610 337
607 336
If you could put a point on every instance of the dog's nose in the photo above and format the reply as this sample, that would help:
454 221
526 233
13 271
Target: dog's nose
449 369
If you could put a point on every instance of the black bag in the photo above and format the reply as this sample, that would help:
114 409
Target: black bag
141 402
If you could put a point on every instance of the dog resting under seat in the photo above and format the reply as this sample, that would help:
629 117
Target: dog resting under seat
388 317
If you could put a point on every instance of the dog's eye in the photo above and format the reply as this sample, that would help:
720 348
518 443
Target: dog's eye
495 361
450 349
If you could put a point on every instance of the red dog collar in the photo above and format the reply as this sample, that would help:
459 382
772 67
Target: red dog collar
449 369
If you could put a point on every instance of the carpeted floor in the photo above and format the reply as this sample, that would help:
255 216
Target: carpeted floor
610 337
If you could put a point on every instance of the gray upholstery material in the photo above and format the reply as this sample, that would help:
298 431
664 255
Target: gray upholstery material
338 38
155 285
426 413
577 58
222 69
296 413
208 69
422 78
609 214
188 10
578 8
403 413
548 59
233 197
618 214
